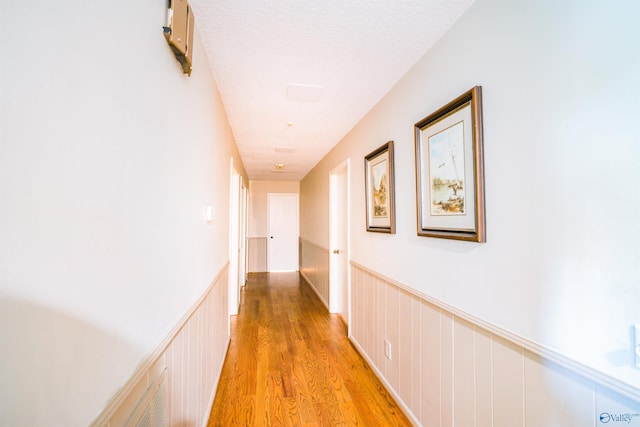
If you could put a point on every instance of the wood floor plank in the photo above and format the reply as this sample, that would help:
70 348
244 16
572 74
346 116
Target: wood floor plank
290 363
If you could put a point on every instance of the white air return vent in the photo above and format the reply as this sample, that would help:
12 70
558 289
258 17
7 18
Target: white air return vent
285 150
304 93
151 411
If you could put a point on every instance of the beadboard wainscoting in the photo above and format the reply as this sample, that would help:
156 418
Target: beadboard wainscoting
448 368
178 381
257 254
314 268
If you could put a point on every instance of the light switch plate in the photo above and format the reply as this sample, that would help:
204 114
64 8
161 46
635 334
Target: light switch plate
209 213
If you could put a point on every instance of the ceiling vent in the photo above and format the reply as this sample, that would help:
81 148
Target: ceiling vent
285 150
304 93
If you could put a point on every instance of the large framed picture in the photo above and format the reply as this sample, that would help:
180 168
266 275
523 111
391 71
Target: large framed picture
450 170
379 188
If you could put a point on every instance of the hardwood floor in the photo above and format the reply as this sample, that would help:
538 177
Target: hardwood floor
290 363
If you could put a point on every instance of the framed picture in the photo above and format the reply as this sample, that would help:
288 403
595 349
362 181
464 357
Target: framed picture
450 170
379 187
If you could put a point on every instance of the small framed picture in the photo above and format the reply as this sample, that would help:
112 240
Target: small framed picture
379 188
450 170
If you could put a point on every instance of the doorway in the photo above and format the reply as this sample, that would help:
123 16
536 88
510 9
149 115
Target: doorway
235 223
282 244
339 241
243 262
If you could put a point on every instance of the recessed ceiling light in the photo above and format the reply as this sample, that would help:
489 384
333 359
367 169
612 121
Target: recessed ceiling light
279 166
289 124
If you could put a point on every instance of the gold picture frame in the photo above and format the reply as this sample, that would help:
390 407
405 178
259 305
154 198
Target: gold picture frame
450 170
379 189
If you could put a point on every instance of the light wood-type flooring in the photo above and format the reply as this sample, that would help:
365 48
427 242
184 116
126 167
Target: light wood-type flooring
290 363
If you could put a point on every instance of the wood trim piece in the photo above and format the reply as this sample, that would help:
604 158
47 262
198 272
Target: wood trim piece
536 348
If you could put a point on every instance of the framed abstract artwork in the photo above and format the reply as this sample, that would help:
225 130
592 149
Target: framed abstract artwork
379 189
450 170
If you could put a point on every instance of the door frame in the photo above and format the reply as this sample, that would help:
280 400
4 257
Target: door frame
336 287
235 221
243 262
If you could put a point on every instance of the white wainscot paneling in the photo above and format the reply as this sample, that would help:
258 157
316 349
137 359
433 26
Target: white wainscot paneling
448 368
547 384
464 392
508 383
191 357
314 268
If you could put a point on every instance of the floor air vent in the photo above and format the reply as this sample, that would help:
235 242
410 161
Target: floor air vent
151 411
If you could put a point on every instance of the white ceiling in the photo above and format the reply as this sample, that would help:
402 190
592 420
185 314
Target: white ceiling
340 56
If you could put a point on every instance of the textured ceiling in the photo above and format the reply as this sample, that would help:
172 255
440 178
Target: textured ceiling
295 76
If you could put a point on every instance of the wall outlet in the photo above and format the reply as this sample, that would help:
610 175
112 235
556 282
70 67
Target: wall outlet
636 344
387 349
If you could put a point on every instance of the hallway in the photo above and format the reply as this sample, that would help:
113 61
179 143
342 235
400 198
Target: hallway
290 363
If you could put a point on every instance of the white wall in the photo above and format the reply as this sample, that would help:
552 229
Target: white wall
560 266
108 156
258 206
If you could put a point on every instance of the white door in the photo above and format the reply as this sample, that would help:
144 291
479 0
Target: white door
339 229
282 244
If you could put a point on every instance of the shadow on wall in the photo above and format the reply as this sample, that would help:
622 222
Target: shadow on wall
54 369
583 401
